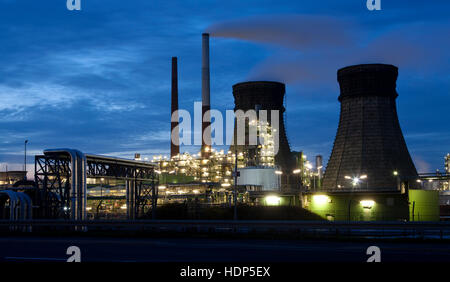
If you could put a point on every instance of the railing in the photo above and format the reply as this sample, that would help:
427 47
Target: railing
315 229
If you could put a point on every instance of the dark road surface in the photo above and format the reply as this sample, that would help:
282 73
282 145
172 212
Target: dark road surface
214 250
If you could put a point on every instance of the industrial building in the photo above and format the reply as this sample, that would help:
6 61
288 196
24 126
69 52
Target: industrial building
8 178
369 176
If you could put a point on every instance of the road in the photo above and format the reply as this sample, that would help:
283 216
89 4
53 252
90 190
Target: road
214 250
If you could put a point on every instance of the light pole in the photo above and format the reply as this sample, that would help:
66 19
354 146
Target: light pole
235 184
395 173
25 160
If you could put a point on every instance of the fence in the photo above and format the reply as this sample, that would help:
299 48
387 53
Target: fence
316 229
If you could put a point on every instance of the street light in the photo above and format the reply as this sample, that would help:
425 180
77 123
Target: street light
399 185
25 160
356 180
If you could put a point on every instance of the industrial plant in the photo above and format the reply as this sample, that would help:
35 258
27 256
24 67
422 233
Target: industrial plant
369 176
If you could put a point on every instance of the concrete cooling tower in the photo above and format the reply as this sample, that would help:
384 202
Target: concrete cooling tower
265 95
369 141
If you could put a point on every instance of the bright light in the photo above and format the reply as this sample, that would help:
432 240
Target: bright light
321 199
367 204
226 184
195 191
355 181
347 177
273 200
279 172
162 187
364 176
124 207
395 172
296 171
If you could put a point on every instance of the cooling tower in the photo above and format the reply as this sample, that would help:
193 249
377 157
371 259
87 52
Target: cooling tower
369 141
264 95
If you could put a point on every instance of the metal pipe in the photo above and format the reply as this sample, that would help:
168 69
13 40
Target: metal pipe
235 185
25 160
78 180
12 204
83 186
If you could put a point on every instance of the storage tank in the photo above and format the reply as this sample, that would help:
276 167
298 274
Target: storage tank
265 177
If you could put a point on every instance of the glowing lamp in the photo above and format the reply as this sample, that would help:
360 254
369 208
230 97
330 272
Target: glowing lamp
367 204
273 200
321 199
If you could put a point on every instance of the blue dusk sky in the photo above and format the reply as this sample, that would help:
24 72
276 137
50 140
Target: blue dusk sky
98 79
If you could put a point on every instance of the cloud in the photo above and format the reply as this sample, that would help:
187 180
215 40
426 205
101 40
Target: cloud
33 94
311 48
294 31
421 165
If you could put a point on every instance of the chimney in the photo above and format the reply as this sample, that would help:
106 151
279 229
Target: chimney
206 120
319 166
174 135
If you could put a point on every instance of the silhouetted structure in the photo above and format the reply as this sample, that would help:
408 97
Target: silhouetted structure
175 137
206 106
265 95
369 140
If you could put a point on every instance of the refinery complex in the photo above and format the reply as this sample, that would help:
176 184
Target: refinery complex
369 176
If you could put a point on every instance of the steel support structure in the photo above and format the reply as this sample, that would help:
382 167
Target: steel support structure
53 177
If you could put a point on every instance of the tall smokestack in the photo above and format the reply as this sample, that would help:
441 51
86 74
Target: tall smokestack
319 166
174 136
206 121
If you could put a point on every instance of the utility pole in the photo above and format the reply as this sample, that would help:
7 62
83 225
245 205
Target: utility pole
25 160
235 184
